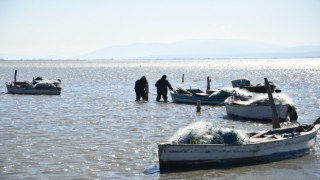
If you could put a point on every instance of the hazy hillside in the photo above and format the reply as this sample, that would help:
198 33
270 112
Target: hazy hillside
203 49
190 49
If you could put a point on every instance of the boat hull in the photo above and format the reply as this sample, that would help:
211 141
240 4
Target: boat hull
259 89
246 84
259 112
32 90
190 99
173 156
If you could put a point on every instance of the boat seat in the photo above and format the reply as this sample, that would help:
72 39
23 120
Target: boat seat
183 91
259 134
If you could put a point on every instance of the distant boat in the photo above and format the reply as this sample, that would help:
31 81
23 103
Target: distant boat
272 145
210 97
246 84
39 86
259 110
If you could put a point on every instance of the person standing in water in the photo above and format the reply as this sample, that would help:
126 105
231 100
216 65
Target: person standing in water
142 89
162 88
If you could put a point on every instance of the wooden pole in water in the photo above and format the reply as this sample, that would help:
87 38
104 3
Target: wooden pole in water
15 75
208 83
275 117
198 106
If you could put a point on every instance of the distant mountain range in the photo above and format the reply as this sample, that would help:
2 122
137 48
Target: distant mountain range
202 49
193 49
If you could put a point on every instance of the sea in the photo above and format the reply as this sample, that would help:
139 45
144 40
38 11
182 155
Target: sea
97 130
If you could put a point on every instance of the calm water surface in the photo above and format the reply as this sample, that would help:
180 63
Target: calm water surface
96 130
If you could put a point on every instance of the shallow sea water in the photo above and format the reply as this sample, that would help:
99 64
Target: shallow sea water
96 130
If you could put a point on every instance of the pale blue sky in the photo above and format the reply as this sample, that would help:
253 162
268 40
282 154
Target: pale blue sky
68 28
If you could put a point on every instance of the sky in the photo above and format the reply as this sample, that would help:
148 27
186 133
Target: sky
69 28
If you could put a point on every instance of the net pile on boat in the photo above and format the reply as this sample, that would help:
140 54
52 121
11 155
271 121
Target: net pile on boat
204 133
282 99
45 83
226 92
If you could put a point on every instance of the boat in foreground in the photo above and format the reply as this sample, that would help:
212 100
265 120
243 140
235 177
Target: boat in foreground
272 145
259 111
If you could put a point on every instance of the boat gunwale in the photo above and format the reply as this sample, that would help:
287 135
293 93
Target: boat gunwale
313 130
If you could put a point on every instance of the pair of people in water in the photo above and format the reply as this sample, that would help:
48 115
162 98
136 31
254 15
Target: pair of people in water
142 88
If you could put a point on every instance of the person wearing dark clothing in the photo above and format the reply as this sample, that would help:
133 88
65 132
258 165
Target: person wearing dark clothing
142 89
162 88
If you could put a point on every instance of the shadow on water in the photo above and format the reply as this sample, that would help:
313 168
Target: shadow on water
266 164
260 121
240 119
222 167
156 169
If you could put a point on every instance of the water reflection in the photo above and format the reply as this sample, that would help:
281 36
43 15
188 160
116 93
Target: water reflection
95 129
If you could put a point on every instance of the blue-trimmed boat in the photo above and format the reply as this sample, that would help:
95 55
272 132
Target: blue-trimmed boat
210 97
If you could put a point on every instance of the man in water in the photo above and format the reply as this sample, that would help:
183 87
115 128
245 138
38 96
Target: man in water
162 88
142 89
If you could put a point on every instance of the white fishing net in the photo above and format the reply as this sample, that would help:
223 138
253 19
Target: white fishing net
204 133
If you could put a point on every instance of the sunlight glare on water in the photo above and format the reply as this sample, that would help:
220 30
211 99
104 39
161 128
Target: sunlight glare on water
95 129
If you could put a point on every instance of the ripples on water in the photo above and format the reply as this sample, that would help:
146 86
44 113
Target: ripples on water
95 129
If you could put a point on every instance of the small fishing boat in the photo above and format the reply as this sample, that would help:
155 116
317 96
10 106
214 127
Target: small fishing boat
266 146
259 88
259 108
38 86
210 97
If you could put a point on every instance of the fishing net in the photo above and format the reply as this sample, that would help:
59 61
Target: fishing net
44 85
226 92
264 100
205 133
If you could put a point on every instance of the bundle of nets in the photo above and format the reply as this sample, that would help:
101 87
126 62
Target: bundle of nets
45 85
282 99
45 80
205 133
226 92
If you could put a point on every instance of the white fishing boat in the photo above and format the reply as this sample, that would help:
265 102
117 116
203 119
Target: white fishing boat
272 145
259 109
38 86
